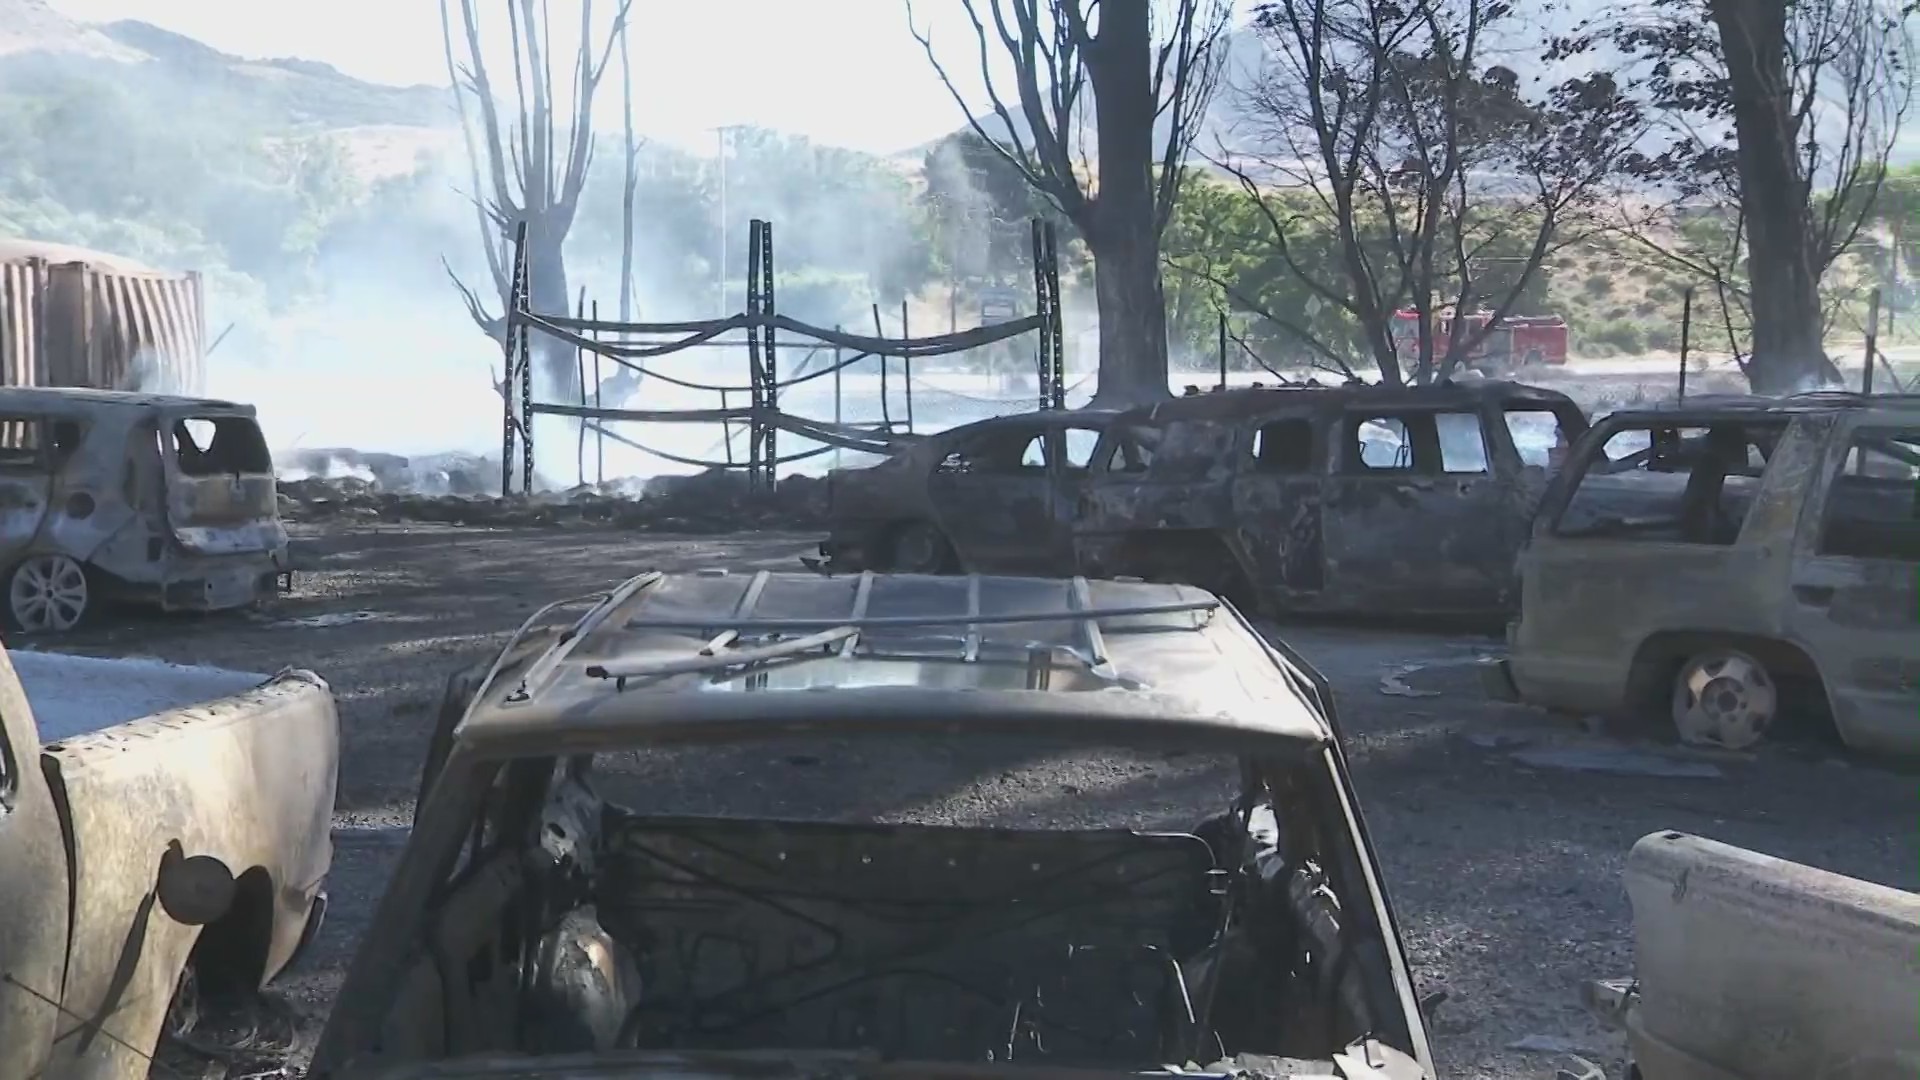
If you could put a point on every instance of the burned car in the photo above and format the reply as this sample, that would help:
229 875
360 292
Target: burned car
1357 499
155 499
536 911
152 865
1732 563
996 496
1360 498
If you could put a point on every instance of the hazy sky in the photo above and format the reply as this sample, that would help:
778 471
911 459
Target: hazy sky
845 72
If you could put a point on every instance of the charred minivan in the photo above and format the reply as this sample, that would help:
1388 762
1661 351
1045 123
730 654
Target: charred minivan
593 877
1732 562
143 497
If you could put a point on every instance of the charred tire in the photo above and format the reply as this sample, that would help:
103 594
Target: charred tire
916 547
1724 698
48 594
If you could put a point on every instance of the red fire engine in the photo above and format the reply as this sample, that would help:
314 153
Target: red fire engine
1519 341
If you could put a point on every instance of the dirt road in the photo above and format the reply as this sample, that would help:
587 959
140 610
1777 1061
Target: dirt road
1504 875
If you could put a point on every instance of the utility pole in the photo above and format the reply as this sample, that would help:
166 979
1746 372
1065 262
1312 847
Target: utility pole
720 144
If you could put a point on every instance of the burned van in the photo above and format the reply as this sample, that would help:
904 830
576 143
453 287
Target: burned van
111 495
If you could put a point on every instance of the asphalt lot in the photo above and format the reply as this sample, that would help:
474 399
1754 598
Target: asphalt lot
1505 875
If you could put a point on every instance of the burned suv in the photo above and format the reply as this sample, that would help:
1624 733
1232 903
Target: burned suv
593 869
1733 563
1373 500
164 500
1364 499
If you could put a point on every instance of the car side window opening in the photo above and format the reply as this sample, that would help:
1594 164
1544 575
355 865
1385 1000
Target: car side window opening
1427 443
1034 454
1132 450
1000 452
21 438
1538 435
1283 446
1873 505
1079 446
1463 445
1669 483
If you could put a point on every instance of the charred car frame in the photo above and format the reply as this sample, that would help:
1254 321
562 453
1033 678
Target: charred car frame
151 498
1361 499
530 913
1732 562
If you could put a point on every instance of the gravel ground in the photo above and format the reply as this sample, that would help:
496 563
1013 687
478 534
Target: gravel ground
1505 877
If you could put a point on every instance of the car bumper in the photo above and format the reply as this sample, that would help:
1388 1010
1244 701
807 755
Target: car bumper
221 585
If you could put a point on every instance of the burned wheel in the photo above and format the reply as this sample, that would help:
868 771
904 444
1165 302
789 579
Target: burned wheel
918 548
1724 698
47 594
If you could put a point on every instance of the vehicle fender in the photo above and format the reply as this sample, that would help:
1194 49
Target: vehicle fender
1756 967
248 779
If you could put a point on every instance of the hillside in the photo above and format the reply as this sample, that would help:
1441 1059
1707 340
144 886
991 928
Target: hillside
46 55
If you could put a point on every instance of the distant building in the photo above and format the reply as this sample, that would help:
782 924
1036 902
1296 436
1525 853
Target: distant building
73 317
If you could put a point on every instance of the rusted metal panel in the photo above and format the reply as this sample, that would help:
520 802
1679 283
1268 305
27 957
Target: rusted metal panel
77 324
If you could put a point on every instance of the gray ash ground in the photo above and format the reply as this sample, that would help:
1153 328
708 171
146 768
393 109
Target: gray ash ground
1505 878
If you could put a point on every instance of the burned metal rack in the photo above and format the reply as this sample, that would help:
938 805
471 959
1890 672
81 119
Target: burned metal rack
629 343
842 634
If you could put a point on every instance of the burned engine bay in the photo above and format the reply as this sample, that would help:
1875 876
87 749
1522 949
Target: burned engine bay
607 930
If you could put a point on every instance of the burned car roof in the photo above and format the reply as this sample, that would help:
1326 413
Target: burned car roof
75 399
1247 401
697 656
1791 405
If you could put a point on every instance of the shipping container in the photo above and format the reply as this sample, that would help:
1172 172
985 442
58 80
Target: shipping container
73 317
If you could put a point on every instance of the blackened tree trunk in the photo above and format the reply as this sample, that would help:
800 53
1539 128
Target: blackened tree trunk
1783 246
1120 223
1139 84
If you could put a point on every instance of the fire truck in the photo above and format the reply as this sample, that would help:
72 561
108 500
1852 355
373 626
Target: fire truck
1519 341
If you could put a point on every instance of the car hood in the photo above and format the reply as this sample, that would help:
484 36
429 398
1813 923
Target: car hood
1362 1061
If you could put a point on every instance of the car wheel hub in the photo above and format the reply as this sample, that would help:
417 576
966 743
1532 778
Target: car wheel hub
1724 699
48 593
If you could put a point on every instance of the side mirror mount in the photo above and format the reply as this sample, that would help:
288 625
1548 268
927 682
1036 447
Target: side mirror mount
194 890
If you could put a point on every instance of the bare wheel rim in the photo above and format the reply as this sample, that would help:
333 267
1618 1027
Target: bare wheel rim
1724 699
47 593
916 549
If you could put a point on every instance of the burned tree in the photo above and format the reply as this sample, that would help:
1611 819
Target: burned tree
526 165
1778 119
1382 126
1069 56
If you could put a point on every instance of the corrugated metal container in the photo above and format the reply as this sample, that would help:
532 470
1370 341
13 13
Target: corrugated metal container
69 317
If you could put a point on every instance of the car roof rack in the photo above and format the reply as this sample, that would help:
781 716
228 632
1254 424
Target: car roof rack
844 633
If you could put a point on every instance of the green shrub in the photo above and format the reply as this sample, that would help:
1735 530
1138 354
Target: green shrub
1599 284
1621 334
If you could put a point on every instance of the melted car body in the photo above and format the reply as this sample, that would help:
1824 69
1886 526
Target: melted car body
536 912
1731 560
158 499
1360 499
